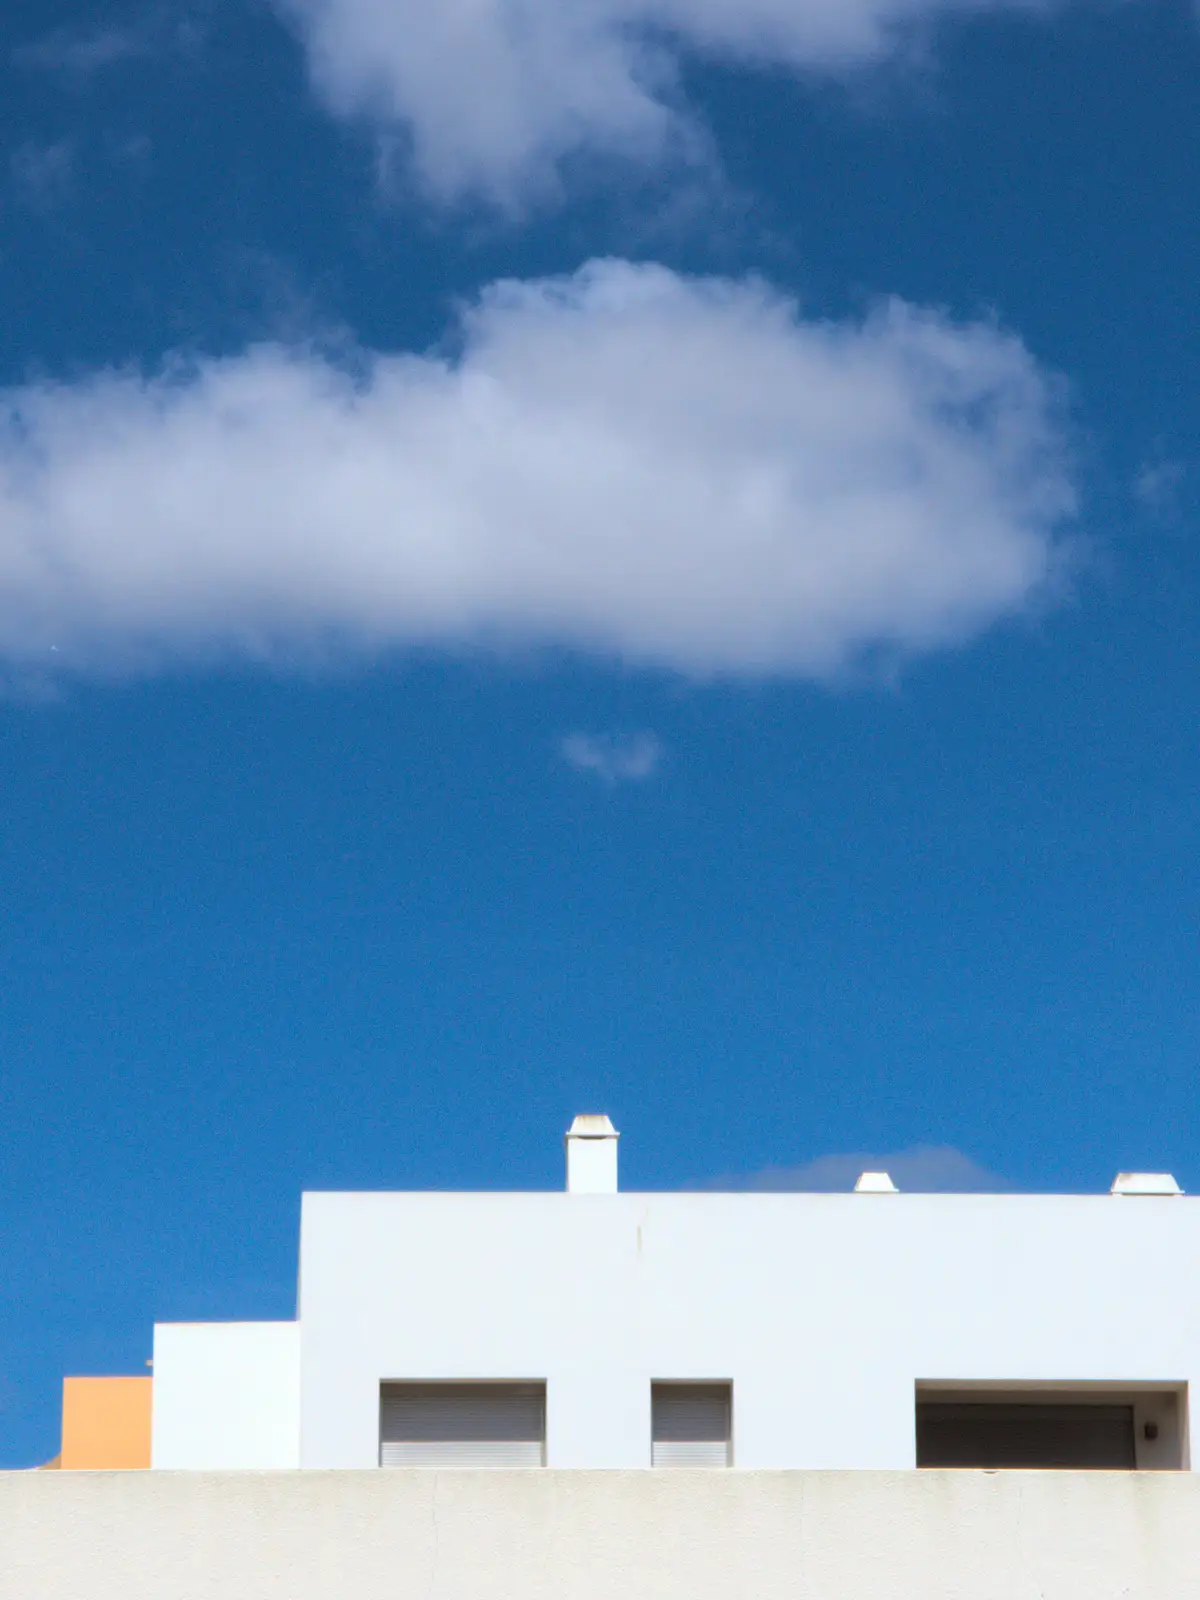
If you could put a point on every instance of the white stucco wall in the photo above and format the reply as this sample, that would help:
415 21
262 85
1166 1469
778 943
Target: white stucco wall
226 1395
599 1536
824 1310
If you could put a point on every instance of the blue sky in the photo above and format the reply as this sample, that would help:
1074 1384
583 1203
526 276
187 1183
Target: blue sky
747 685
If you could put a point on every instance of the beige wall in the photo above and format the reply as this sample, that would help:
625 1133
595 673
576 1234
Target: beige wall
583 1536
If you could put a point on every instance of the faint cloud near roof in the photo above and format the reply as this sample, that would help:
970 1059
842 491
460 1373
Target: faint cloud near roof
920 1169
613 758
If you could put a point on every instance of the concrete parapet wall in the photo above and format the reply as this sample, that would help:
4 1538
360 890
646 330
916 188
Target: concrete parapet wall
599 1536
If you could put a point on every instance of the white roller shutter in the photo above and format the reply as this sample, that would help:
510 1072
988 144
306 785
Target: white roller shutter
462 1425
691 1424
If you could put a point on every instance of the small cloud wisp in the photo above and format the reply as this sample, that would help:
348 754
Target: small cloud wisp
613 758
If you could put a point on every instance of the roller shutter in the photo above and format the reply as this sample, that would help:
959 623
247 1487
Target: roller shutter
691 1424
462 1425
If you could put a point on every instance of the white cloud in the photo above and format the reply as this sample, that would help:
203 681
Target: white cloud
671 472
493 93
613 758
920 1169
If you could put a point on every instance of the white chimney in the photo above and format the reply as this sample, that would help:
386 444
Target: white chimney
592 1156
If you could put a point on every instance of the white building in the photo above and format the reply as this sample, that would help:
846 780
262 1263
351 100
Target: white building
595 1329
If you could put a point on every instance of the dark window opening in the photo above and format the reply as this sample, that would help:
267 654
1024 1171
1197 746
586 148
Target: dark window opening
1024 1434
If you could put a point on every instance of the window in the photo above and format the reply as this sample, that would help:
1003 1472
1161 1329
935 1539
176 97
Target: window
1024 1435
691 1424
1043 1426
462 1425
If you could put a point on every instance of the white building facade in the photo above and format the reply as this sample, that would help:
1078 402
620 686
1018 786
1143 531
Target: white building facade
596 1329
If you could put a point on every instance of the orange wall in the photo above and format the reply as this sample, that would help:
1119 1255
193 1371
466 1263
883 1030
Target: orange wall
106 1423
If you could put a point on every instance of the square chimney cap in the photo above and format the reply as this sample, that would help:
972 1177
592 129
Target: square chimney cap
1145 1183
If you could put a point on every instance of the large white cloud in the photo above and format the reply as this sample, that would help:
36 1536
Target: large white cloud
683 473
493 93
